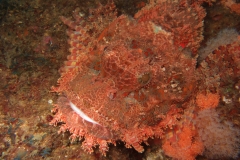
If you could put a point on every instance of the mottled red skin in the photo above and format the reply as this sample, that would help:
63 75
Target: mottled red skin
131 76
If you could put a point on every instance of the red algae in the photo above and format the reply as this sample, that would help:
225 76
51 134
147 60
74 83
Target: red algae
207 101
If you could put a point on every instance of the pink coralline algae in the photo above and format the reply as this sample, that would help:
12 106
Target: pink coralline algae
130 78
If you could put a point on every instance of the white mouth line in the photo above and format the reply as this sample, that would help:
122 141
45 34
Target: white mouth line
81 114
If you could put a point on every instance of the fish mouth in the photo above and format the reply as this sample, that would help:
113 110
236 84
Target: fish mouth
82 114
93 127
